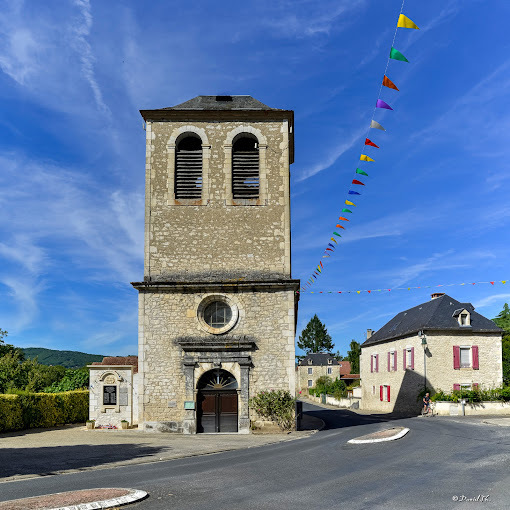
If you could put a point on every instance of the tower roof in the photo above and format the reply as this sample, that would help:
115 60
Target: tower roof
221 103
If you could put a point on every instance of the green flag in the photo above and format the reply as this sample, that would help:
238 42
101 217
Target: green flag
396 55
346 210
358 171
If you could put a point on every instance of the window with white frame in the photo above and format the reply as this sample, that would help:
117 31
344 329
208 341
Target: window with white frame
374 363
310 383
392 361
464 319
409 357
330 361
310 371
330 370
465 357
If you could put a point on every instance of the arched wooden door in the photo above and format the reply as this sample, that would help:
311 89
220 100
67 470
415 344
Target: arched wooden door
217 402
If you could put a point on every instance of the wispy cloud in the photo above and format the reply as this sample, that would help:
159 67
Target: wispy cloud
491 300
331 158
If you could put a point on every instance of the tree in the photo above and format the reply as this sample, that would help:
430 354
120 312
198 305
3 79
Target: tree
315 337
502 320
353 356
339 357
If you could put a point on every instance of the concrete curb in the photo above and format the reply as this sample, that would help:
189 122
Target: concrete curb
400 434
135 495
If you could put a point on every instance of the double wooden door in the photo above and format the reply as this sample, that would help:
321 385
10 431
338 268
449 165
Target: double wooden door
217 411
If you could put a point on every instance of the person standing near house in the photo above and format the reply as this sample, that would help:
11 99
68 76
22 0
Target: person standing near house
426 403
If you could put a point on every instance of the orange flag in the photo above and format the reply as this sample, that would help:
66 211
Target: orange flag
340 226
388 83
342 218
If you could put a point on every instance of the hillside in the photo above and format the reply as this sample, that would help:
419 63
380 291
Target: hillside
68 359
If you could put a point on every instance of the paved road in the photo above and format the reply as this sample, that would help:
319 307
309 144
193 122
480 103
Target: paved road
447 457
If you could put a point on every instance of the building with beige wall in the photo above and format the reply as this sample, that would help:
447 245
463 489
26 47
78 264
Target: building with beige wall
217 304
319 364
441 344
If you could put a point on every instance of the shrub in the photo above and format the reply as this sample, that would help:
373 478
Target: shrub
475 395
277 406
30 410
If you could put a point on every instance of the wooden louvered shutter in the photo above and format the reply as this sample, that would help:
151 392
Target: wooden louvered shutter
381 393
412 358
245 169
474 352
188 169
456 357
404 358
389 361
456 387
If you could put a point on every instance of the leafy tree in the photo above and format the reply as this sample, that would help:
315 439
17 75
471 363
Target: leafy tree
502 320
8 348
339 357
315 337
353 356
74 379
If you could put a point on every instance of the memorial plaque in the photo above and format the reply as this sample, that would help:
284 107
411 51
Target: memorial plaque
109 395
123 396
189 404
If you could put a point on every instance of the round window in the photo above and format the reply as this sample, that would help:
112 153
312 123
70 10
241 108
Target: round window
217 314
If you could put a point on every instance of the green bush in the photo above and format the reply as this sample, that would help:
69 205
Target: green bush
325 385
30 410
277 406
474 395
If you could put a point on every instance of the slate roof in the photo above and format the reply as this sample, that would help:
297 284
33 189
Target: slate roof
318 359
439 314
221 103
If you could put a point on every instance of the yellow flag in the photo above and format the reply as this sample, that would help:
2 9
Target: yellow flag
364 157
405 22
358 291
503 281
349 203
333 239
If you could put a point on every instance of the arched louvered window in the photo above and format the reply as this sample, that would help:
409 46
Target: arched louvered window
188 168
245 167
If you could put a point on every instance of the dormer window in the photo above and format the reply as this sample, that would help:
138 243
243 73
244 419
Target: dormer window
463 317
330 361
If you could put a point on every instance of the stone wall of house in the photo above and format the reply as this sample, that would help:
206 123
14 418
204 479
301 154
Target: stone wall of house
265 318
405 384
125 382
317 371
216 237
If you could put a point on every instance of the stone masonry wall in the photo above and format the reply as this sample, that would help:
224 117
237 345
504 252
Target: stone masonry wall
405 384
265 317
217 238
317 371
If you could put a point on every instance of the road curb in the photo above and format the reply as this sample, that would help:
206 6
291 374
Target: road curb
398 435
134 495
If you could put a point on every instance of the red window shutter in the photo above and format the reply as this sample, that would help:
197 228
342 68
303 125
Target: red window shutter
456 357
404 358
395 361
372 363
381 393
474 352
377 362
388 393
389 361
475 386
412 358
456 387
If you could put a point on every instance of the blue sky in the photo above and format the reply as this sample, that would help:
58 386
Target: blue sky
434 210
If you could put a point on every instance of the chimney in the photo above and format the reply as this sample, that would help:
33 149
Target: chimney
370 332
436 295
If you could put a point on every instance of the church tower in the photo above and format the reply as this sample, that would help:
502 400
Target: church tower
217 305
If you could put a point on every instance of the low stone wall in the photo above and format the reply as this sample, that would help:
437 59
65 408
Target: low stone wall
472 409
350 402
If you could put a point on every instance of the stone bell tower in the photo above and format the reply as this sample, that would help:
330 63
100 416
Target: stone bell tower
217 305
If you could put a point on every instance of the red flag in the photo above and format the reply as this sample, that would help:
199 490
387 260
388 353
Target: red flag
340 226
320 263
372 144
388 83
329 249
369 291
355 181
492 283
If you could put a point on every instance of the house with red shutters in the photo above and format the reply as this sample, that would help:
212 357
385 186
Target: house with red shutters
442 344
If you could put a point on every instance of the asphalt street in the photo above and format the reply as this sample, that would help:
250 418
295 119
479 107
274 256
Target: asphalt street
441 463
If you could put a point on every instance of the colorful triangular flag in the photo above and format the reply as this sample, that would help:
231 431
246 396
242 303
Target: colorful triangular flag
405 22
346 210
372 144
364 157
348 202
354 192
361 172
396 55
388 83
340 226
355 181
383 104
374 124
342 218
337 234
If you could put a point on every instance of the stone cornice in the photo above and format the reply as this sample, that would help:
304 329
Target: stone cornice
226 286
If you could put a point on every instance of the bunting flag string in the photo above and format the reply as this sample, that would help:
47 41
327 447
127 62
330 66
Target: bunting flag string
381 104
493 282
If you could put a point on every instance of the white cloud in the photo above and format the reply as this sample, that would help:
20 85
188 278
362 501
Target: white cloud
491 300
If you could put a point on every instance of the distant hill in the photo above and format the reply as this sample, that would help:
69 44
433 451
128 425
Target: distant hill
68 359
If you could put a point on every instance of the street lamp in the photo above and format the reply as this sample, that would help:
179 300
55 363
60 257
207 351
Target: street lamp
421 334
